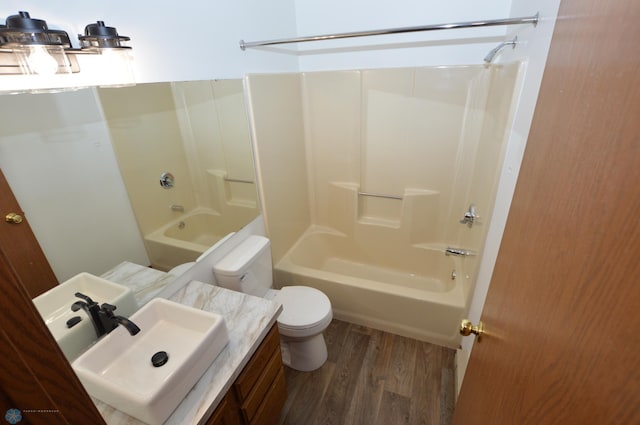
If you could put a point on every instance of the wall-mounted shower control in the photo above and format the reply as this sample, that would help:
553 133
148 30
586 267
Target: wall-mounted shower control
470 216
167 180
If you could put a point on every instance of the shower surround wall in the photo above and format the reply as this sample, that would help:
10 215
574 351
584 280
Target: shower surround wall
198 132
433 137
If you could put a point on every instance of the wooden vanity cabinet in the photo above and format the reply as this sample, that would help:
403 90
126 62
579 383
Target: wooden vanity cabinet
259 393
226 413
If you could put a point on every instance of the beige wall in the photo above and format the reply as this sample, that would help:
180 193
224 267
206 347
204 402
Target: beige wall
433 136
278 129
145 134
215 135
197 131
485 165
399 132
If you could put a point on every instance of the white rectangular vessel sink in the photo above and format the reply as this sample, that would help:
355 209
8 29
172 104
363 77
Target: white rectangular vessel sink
55 308
119 369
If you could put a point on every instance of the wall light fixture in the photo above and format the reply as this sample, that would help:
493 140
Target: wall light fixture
29 47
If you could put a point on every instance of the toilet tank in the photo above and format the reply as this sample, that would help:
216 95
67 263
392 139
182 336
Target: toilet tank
247 268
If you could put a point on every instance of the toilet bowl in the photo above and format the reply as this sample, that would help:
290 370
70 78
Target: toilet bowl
306 312
180 269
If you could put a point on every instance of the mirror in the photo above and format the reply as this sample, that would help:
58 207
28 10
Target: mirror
184 152
86 167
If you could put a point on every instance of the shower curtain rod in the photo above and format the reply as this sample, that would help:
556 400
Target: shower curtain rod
471 24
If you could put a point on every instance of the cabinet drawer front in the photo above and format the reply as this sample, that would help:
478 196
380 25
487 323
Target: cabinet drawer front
260 389
226 413
269 411
257 364
218 416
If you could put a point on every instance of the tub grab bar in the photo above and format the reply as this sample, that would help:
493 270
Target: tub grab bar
377 195
458 252
238 180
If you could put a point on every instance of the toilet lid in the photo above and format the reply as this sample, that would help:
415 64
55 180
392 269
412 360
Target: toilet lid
302 307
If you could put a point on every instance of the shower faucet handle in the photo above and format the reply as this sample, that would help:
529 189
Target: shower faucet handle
471 216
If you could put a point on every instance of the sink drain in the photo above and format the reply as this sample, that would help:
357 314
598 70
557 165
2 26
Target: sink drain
159 358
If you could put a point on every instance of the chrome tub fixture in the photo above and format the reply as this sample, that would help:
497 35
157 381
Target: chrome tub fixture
492 54
167 180
471 216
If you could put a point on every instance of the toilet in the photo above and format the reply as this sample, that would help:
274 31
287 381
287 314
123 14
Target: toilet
180 269
306 312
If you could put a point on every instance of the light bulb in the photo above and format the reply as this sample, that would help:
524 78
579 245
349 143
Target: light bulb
41 62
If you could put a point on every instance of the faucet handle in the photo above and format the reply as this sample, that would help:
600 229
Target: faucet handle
84 297
108 308
470 217
77 305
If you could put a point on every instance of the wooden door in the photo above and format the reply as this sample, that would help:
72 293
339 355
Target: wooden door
563 309
21 247
36 380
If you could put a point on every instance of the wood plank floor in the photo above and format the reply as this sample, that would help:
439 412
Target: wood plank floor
373 378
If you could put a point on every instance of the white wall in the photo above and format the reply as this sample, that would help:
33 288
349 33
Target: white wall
533 48
63 172
451 47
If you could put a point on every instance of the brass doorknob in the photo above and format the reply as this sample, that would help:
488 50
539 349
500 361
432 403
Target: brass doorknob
467 328
13 218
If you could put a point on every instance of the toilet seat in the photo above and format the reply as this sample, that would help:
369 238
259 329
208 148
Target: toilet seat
305 311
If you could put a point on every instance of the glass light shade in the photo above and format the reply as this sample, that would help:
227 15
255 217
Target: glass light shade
111 67
43 60
34 57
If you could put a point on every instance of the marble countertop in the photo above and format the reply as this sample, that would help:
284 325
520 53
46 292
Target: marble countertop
146 283
248 321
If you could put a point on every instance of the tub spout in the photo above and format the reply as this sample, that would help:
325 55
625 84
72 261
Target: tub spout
459 252
176 207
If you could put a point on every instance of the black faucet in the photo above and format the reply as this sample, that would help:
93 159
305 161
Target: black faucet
102 317
113 321
92 309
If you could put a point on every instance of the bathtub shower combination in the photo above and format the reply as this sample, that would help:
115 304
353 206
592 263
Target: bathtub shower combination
364 285
399 170
189 235
186 238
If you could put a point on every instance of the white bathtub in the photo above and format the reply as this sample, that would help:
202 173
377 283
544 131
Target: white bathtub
412 291
185 238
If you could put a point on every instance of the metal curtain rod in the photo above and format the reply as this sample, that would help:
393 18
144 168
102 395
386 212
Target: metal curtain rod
471 24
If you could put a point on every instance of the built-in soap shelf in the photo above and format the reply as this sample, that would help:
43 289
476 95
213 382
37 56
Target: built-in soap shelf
409 211
233 191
